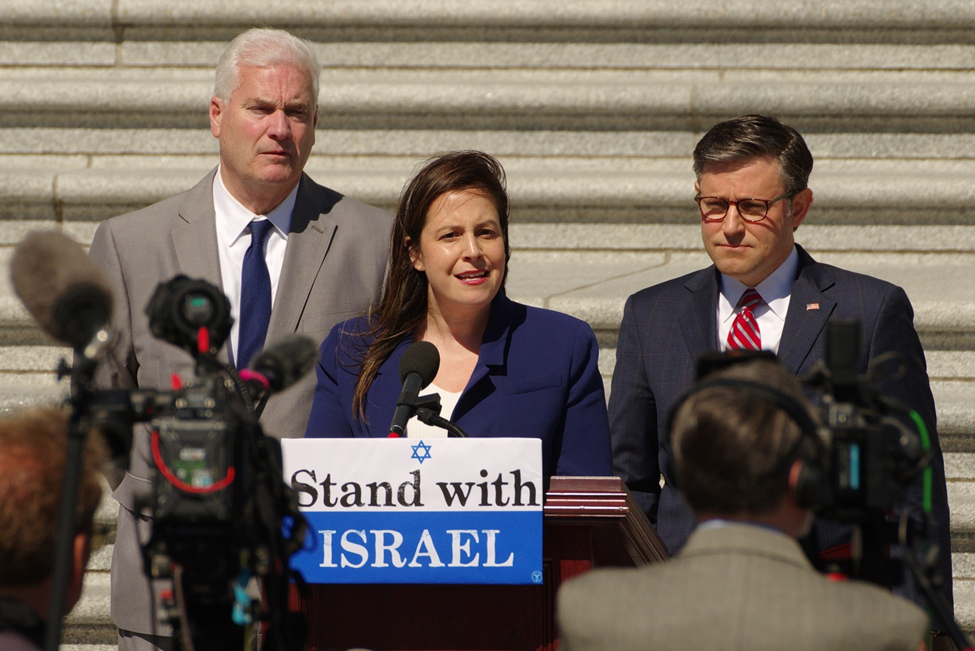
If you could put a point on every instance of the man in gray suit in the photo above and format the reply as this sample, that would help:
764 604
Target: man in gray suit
745 465
324 254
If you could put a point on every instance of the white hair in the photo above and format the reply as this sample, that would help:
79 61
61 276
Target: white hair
263 47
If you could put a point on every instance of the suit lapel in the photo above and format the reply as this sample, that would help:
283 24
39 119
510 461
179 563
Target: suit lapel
697 316
308 242
493 353
195 235
809 310
195 238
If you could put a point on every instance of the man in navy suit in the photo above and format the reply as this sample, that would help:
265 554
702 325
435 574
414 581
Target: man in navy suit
752 175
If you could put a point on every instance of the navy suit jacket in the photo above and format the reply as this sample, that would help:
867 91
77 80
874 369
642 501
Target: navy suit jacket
536 376
666 327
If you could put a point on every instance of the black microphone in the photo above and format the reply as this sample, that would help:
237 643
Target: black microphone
417 369
67 293
282 364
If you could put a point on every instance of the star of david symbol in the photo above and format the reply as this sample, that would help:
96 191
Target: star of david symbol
418 455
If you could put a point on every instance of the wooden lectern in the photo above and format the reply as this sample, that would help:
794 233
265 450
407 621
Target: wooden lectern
589 522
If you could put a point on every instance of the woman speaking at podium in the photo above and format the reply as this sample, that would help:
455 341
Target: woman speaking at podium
506 369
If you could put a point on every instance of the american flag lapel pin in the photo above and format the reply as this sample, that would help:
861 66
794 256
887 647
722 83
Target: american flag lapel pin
812 306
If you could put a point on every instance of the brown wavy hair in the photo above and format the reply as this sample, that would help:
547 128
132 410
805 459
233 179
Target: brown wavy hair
403 302
33 449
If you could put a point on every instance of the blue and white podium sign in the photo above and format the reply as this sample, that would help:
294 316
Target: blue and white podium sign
418 511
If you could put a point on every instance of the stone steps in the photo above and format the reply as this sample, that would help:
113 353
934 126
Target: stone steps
868 57
568 99
593 108
80 190
945 21
89 626
21 142
90 622
593 285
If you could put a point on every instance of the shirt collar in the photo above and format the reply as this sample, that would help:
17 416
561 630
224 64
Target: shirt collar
233 218
775 289
718 523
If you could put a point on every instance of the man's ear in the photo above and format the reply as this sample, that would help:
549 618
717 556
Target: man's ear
80 553
800 206
794 470
216 112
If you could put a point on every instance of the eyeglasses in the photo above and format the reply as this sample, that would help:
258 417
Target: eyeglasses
715 209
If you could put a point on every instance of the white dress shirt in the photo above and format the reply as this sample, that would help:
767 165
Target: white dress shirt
775 291
233 238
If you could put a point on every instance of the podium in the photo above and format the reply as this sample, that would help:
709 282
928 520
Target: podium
588 522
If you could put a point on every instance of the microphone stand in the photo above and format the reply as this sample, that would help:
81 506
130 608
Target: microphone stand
82 373
428 412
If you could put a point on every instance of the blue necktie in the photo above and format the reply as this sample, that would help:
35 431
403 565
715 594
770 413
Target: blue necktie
255 296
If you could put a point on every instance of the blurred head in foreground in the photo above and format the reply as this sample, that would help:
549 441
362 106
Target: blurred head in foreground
33 448
740 456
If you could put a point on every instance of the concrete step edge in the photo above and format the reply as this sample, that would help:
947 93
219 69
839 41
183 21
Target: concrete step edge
600 93
891 244
90 622
579 189
568 13
153 51
35 145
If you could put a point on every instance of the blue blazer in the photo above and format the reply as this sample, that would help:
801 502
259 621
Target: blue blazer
666 327
536 376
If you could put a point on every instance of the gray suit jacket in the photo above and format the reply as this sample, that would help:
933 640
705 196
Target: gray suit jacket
734 587
333 269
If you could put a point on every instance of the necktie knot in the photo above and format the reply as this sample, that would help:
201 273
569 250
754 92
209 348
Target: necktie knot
750 299
259 231
745 333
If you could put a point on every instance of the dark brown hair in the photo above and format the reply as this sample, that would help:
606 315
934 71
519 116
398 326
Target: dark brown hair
733 450
752 137
33 446
403 303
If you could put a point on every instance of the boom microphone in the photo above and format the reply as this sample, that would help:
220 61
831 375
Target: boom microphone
67 294
417 369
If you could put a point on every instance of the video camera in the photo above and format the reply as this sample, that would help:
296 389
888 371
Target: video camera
867 456
222 513
879 452
874 453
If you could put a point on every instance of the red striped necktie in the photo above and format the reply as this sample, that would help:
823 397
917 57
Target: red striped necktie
745 333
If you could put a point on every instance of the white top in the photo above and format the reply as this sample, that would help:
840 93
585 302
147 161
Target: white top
448 400
775 290
233 238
